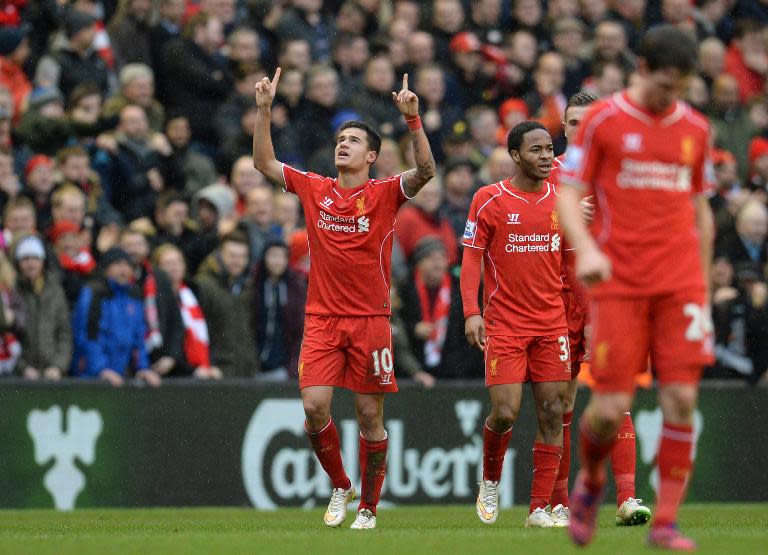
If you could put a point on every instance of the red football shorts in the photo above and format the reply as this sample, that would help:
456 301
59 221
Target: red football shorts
576 314
511 359
675 329
354 352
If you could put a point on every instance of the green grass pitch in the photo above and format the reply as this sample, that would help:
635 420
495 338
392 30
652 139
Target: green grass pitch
452 530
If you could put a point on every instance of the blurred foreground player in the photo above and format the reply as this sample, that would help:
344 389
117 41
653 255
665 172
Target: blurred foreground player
347 336
513 229
629 511
642 153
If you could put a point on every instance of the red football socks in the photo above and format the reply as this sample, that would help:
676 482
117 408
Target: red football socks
560 491
623 459
594 450
494 449
674 461
373 465
546 461
325 443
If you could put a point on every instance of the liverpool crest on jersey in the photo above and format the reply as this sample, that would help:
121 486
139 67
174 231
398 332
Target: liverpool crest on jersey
360 205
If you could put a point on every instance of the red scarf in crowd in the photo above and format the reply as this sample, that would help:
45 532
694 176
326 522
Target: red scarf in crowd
196 343
437 315
82 263
153 339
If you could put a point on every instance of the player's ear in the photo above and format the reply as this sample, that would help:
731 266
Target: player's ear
372 156
515 154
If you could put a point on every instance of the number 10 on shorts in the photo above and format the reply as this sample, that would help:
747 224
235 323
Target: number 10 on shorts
382 360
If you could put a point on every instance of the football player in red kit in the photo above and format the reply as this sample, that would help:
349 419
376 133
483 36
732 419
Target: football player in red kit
642 154
630 510
513 228
347 338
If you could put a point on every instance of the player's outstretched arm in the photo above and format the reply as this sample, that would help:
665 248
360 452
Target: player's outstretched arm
474 326
592 266
414 179
263 151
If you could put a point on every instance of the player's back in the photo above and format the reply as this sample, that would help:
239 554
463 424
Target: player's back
644 170
520 233
350 234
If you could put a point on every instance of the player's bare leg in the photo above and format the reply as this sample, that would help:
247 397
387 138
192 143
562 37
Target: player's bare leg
324 437
597 435
629 510
547 449
369 409
559 498
677 401
505 406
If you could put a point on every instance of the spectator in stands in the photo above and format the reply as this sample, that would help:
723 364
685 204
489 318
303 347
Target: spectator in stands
46 347
108 325
433 315
174 226
43 128
749 244
422 218
259 222
230 112
214 210
483 128
350 54
758 164
279 296
84 115
389 161
6 139
240 144
19 218
498 167
134 172
243 48
73 253
730 121
313 123
438 115
10 184
747 58
195 78
295 53
711 60
193 170
226 297
568 40
611 45
167 28
40 180
244 179
137 86
306 20
164 336
467 83
14 51
726 184
13 318
375 100
129 32
459 181
546 102
76 61
197 358
74 165
607 79
447 20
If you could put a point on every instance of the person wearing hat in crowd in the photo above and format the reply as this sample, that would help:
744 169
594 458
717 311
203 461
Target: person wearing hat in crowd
77 61
46 347
108 325
213 210
40 180
14 51
73 253
457 143
468 85
459 181
43 128
511 112
433 317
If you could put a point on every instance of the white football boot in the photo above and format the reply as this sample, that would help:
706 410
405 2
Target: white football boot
488 502
539 519
337 506
559 516
365 520
632 513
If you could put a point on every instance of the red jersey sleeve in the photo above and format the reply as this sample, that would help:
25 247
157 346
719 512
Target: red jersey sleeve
585 151
298 182
477 229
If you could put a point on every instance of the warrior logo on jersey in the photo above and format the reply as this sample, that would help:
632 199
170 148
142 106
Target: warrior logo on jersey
632 142
555 220
469 230
360 205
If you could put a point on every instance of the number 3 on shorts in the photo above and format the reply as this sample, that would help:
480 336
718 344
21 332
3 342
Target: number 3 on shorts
382 359
565 348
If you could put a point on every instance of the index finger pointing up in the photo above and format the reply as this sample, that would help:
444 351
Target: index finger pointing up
405 81
276 78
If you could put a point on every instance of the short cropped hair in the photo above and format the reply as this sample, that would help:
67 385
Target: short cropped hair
516 134
374 139
667 47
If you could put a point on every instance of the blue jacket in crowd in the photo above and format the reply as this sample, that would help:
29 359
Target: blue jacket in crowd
108 328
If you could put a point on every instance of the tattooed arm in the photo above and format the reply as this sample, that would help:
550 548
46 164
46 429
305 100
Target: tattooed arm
415 178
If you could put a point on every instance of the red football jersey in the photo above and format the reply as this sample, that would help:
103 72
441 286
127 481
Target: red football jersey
520 233
350 234
644 170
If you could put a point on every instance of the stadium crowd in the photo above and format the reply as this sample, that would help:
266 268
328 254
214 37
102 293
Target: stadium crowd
138 239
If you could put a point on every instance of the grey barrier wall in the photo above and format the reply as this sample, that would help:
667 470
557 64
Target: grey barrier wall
240 444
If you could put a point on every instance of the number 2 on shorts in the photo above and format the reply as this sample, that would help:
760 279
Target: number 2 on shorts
382 359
